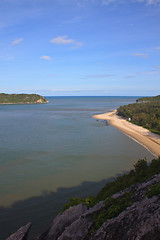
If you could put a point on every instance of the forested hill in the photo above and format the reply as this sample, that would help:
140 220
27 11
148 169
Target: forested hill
149 99
21 98
146 113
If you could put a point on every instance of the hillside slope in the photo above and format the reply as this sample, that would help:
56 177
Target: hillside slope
146 113
149 99
21 98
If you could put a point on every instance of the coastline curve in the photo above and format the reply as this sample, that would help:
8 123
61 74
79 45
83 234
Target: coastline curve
139 134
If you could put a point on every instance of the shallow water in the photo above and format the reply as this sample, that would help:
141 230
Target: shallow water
51 152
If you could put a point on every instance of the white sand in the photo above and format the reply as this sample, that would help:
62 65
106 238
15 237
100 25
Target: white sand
139 134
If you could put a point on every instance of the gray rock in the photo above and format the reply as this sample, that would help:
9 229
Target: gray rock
139 189
64 219
79 229
21 233
141 221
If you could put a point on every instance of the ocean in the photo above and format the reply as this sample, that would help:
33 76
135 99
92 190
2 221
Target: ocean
52 152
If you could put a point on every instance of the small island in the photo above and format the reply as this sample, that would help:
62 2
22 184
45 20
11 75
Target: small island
21 98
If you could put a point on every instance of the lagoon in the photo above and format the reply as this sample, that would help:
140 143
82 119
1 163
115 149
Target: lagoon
51 152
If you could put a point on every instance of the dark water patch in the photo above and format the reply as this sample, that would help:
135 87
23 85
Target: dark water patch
41 210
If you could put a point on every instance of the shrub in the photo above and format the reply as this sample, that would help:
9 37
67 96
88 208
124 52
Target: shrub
113 207
141 165
154 190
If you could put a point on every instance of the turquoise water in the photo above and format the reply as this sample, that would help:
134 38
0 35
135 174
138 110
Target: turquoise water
51 152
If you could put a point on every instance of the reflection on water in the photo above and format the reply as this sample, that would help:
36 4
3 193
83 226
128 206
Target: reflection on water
58 145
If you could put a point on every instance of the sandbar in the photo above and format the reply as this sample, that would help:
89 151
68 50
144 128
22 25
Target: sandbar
141 135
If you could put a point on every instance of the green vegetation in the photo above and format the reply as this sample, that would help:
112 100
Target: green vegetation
146 114
21 98
113 207
141 172
90 201
149 99
154 190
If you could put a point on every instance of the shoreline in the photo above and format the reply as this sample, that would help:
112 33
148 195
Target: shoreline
21 103
139 134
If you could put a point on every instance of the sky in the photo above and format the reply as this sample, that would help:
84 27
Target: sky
80 47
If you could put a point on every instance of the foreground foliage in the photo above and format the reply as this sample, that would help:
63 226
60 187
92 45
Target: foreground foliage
114 206
155 190
90 201
141 172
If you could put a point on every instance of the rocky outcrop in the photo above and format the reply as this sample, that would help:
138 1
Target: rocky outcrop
64 220
21 234
139 189
140 221
80 228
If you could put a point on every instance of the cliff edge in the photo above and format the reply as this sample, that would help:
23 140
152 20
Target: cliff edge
136 216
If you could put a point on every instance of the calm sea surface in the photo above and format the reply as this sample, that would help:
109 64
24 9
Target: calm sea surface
51 152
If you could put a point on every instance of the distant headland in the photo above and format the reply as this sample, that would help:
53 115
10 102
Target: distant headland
21 98
149 99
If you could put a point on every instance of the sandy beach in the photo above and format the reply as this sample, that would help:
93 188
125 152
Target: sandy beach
137 133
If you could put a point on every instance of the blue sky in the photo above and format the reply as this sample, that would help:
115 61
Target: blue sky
80 47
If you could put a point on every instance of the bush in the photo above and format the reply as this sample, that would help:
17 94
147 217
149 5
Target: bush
141 165
113 207
155 190
90 201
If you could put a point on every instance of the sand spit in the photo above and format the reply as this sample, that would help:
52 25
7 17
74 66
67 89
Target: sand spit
141 135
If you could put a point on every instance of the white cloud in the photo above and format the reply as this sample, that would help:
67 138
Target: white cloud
100 76
150 2
157 48
6 57
51 75
157 67
46 58
65 90
63 40
2 24
143 55
17 41
149 73
130 76
107 2
146 2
